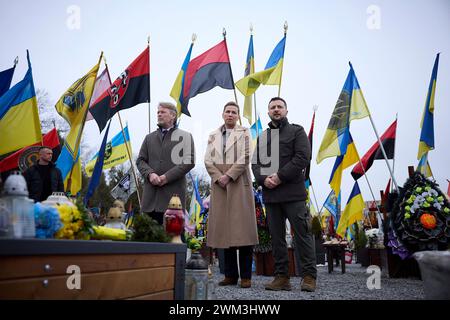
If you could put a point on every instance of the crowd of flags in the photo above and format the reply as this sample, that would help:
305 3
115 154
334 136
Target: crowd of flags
94 97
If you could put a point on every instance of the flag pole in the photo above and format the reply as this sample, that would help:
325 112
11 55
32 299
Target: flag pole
149 118
384 152
77 142
314 195
193 38
224 33
315 107
125 140
16 61
393 160
131 161
281 74
254 95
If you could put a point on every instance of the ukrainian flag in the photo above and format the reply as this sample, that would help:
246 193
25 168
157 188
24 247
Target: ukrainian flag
115 153
351 105
5 79
344 161
353 211
427 134
249 69
177 89
73 106
332 203
196 207
424 166
255 131
19 117
271 75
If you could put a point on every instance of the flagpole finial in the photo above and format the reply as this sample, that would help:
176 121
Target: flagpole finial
16 61
224 32
285 27
315 107
148 40
251 28
194 37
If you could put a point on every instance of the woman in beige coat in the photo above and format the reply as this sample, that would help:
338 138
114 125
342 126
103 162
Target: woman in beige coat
231 218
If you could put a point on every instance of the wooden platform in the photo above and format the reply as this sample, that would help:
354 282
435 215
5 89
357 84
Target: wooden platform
38 269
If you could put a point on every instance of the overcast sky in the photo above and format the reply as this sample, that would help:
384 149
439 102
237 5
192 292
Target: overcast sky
391 44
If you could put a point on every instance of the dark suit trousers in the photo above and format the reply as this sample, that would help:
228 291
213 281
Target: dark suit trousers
245 262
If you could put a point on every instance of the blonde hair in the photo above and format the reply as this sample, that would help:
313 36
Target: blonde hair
170 106
231 103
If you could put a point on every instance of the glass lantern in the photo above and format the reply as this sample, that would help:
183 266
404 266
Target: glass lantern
174 219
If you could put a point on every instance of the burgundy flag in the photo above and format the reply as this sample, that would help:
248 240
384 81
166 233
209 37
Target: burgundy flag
374 153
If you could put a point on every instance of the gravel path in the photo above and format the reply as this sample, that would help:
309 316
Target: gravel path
335 286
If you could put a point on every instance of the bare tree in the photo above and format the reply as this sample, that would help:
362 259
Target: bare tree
48 115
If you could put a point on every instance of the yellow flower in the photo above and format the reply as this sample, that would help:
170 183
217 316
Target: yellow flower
75 227
65 213
76 214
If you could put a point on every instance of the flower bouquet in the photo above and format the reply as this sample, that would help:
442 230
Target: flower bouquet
420 218
76 223
264 239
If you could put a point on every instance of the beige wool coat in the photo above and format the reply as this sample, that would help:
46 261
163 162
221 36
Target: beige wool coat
231 216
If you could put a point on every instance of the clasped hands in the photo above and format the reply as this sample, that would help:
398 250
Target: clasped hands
157 180
272 181
223 181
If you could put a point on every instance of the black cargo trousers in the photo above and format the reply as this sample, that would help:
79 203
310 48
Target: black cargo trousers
300 219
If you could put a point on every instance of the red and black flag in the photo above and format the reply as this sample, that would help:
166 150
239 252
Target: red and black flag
374 153
208 70
130 88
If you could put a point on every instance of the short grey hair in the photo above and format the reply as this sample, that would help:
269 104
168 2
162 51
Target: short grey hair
168 105
171 107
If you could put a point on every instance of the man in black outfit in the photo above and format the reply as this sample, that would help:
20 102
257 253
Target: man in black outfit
284 193
43 178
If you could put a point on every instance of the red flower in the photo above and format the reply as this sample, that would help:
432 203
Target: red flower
428 221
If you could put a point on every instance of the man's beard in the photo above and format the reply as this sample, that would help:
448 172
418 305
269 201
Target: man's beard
276 122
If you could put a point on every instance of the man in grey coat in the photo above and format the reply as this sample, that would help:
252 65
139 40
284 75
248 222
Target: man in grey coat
166 156
282 155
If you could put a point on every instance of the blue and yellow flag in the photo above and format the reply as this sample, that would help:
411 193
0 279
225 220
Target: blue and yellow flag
73 106
5 79
115 153
97 172
196 207
256 130
249 69
353 210
350 105
426 142
271 75
332 203
330 208
424 166
19 117
177 89
344 161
